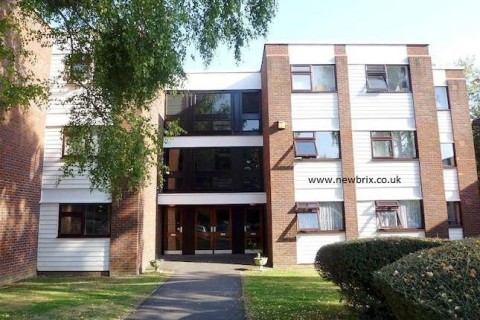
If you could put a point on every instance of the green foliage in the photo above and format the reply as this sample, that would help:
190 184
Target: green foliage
351 265
121 54
18 85
439 283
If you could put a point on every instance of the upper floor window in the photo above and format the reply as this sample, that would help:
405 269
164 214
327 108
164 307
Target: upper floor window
387 78
448 154
84 220
441 98
317 144
315 78
405 214
319 216
454 213
393 145
217 113
79 141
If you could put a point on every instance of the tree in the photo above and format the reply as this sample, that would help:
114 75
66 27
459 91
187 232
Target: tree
121 54
472 75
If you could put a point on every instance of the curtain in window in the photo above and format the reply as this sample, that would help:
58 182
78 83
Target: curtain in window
410 214
330 215
387 219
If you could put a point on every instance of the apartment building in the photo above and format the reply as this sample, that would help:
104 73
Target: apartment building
325 143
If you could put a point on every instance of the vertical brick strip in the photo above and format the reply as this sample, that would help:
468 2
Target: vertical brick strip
346 142
464 152
278 156
431 170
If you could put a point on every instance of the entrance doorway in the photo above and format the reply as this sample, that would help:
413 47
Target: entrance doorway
213 232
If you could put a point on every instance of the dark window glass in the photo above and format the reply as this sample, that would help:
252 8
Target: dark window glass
453 209
213 168
441 98
213 103
251 102
252 169
448 154
84 220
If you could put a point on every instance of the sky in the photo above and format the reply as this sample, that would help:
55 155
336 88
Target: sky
451 27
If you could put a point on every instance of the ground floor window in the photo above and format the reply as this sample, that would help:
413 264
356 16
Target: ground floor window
84 220
320 216
404 214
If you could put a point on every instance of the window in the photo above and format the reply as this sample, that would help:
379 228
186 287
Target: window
175 104
84 220
75 142
387 78
78 67
448 154
405 214
316 78
320 216
441 98
320 144
393 145
212 112
454 213
250 111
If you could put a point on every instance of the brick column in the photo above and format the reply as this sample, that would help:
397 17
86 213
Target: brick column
428 142
464 152
346 142
278 155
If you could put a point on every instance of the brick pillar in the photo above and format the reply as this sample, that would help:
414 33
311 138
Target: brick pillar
346 142
464 152
278 155
428 140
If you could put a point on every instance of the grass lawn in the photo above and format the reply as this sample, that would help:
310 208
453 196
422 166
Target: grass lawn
291 294
76 297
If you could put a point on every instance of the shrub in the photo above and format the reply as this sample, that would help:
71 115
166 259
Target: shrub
351 264
439 283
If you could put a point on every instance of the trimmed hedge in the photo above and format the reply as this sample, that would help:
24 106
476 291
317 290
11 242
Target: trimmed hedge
351 265
439 283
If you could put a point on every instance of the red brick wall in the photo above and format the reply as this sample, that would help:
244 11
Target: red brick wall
464 152
278 156
21 157
431 170
346 142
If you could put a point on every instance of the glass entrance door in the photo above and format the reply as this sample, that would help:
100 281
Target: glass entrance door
173 231
213 232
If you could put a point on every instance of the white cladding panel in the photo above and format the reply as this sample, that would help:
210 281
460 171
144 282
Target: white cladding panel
407 171
450 180
315 191
455 233
445 126
314 111
311 54
63 254
211 198
211 141
378 111
439 77
309 244
377 54
222 81
367 223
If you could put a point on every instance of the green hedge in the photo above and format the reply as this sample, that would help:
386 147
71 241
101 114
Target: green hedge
351 265
439 283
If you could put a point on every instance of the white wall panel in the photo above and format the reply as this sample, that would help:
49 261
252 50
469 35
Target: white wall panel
377 54
445 126
306 191
407 171
378 111
222 81
65 254
309 244
211 198
212 141
314 111
450 180
455 233
311 54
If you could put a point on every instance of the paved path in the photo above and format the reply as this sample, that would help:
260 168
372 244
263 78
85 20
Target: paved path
203 287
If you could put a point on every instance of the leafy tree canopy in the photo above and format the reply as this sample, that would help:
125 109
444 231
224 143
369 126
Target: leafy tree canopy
121 53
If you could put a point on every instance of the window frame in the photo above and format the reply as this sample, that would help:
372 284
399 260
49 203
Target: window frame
390 140
83 216
447 94
384 74
454 158
307 207
314 140
458 223
394 206
310 74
